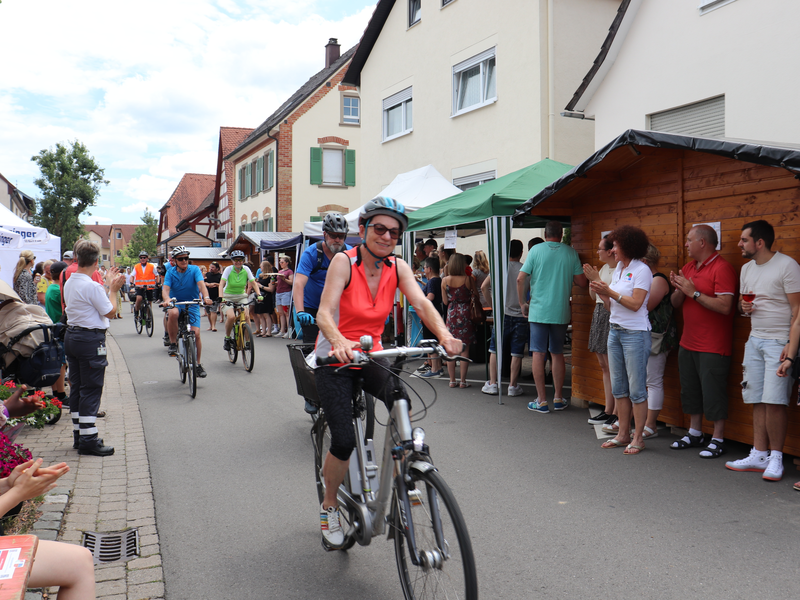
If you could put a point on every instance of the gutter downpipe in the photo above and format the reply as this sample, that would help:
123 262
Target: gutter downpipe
551 92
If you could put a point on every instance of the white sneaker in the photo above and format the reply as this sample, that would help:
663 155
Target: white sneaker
331 528
756 461
774 470
515 390
489 388
275 329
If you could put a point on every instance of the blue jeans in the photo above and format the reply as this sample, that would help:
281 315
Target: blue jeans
628 352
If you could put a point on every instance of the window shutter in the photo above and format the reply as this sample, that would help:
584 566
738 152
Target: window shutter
314 219
350 167
241 183
248 176
316 166
702 119
260 174
270 157
253 182
269 224
397 98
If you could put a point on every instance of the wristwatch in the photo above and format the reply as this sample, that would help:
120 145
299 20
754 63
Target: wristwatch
696 295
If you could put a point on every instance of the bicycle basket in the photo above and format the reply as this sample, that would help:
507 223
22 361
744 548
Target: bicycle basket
303 374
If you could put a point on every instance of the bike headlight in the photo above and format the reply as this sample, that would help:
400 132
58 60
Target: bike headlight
418 437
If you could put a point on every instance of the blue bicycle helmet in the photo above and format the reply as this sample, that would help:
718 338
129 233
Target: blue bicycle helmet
383 205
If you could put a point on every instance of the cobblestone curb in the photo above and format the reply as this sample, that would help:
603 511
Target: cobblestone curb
104 494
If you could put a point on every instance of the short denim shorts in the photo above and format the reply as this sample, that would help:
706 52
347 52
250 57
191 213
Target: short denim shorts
760 381
628 352
515 329
541 333
283 299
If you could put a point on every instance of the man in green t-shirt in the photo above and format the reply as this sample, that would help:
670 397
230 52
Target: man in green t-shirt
551 269
237 281
52 296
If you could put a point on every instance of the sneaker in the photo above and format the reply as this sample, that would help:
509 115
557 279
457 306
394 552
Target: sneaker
774 470
331 528
432 374
426 368
288 335
275 329
515 390
536 406
200 371
310 408
166 340
754 462
560 404
599 419
226 344
173 350
490 388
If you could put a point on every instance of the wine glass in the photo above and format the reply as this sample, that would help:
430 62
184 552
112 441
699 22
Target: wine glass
748 296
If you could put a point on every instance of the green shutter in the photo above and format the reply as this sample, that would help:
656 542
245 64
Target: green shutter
316 219
269 224
241 183
247 179
270 170
260 174
316 166
350 167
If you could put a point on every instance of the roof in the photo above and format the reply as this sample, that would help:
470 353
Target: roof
627 149
205 253
100 230
126 229
205 206
368 39
190 193
608 54
231 137
271 237
295 100
186 232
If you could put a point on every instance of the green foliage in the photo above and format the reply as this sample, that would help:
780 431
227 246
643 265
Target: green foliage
70 183
143 238
567 237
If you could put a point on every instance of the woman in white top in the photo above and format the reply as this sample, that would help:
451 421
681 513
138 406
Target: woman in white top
598 333
629 337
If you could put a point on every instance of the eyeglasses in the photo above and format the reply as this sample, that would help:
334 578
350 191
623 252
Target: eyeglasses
181 258
381 230
336 236
238 260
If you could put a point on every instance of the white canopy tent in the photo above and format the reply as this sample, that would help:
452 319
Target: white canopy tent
17 235
414 190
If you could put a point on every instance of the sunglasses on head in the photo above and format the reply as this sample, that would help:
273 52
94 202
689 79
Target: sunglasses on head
381 230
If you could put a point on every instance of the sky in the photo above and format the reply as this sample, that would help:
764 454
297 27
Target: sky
146 85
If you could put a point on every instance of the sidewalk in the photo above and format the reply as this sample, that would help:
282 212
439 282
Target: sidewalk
104 494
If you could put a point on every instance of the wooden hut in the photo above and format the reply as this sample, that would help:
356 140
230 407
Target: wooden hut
664 184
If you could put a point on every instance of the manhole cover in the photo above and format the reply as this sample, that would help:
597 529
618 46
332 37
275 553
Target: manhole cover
112 546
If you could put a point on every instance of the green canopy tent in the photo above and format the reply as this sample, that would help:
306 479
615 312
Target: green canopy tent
488 207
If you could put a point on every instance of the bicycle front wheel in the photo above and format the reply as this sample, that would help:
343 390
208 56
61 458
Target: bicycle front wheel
233 351
137 320
248 348
191 366
148 320
447 566
182 365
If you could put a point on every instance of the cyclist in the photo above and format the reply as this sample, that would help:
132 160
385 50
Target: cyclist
184 282
162 273
358 296
236 283
144 279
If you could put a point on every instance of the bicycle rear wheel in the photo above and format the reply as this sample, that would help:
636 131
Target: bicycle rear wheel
248 348
148 320
137 320
321 438
447 568
191 367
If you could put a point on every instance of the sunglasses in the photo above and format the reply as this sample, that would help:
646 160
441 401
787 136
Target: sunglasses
182 258
381 230
238 260
336 236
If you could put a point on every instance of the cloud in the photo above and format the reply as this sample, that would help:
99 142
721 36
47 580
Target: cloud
92 219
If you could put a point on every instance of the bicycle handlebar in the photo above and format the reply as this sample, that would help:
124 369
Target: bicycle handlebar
173 302
361 357
231 303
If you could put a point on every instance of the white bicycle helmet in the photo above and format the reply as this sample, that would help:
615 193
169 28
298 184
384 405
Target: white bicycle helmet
178 250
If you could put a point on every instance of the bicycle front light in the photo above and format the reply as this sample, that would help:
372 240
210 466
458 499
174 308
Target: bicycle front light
418 437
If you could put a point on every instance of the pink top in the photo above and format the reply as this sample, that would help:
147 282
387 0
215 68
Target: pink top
282 286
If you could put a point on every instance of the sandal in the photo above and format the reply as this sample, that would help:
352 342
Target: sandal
797 486
464 385
715 449
687 441
631 449
613 443
453 384
613 429
649 433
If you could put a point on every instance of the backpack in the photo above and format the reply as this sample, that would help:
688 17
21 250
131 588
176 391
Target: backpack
43 367
320 256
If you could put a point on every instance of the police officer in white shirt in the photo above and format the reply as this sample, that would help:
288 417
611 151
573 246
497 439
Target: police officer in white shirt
88 309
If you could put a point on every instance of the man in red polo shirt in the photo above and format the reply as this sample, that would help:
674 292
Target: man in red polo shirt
706 289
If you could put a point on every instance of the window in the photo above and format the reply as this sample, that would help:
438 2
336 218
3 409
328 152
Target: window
703 119
474 82
119 252
398 114
351 110
471 181
119 235
414 11
707 6
333 166
105 257
446 2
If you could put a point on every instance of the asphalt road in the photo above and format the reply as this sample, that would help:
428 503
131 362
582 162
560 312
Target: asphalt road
551 515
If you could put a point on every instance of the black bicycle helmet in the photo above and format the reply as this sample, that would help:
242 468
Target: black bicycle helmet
335 223
237 254
178 250
383 205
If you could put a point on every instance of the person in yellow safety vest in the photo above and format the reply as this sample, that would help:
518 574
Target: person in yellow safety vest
144 280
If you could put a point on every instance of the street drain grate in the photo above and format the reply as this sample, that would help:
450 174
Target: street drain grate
113 546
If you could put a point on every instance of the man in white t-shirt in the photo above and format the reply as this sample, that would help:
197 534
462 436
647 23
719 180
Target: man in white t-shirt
774 278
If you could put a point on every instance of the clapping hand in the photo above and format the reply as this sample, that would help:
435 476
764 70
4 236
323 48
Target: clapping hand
684 284
591 273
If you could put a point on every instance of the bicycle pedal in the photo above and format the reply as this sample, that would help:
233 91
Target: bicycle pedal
414 498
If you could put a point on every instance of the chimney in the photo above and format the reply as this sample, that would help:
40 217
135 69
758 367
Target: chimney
331 52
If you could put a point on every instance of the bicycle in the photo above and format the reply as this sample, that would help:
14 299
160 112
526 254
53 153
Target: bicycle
144 318
187 346
242 339
432 546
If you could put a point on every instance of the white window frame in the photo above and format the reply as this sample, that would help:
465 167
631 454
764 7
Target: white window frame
706 6
119 235
404 98
477 178
411 5
481 60
344 118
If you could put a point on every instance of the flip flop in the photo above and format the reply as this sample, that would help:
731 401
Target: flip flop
630 449
453 384
797 486
613 443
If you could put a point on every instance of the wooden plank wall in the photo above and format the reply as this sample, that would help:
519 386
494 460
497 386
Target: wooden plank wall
665 193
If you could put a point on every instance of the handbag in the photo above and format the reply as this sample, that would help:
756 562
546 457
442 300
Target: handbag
657 339
476 313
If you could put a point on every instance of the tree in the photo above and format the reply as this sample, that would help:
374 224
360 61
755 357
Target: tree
70 184
143 238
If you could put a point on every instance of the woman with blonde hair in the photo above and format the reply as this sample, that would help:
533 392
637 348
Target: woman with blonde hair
264 308
23 278
480 271
457 291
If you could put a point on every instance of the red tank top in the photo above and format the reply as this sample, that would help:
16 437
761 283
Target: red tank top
359 313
